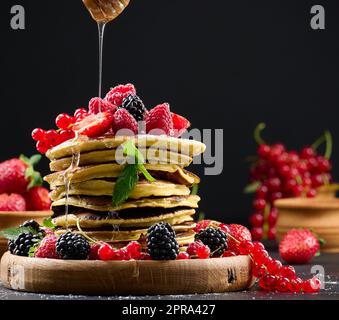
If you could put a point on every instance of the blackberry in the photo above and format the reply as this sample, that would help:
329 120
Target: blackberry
21 245
161 242
134 105
72 246
35 226
214 238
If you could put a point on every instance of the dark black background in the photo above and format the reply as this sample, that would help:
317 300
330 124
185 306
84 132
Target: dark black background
223 64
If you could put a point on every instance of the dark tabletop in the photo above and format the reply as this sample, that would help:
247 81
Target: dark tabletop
326 264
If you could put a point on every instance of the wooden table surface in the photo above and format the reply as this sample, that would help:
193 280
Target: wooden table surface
329 263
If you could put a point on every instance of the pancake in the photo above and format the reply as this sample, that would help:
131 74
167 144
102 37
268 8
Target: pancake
88 220
187 147
107 156
168 172
105 203
143 189
126 234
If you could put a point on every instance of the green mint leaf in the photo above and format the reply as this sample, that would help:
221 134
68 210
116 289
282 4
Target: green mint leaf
32 250
13 233
125 184
195 189
132 151
252 187
48 223
146 174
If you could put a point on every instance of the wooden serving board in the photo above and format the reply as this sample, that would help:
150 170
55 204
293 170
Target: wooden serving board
126 277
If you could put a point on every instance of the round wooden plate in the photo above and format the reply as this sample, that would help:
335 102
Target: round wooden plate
126 277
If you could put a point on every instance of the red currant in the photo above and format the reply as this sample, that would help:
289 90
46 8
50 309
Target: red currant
259 204
295 285
307 153
272 217
203 252
224 227
271 233
273 266
258 246
267 282
311 193
274 184
52 137
258 270
317 180
245 247
312 285
183 256
145 256
287 272
257 233
38 134
80 113
64 121
42 146
263 151
66 135
256 220
261 192
282 285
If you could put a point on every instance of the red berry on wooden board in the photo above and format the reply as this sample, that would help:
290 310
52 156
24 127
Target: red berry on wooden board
183 256
106 252
298 246
240 233
47 248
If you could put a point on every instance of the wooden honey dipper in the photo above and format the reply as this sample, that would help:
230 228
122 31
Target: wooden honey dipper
103 11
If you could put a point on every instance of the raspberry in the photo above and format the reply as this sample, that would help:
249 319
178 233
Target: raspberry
197 248
134 250
97 105
123 120
94 125
93 253
117 94
159 120
47 248
180 124
105 252
183 256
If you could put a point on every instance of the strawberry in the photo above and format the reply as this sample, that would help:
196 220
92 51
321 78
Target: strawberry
12 202
17 174
159 120
47 248
180 124
240 233
117 94
97 104
298 246
37 198
94 125
124 120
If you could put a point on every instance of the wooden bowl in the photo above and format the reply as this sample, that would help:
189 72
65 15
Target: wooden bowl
328 191
15 218
318 214
126 277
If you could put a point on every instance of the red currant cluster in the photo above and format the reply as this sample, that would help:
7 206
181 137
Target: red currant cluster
273 276
278 173
51 138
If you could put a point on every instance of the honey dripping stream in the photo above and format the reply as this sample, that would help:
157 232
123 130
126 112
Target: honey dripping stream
68 174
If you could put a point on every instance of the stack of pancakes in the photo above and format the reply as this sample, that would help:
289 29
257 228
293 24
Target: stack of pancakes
93 166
